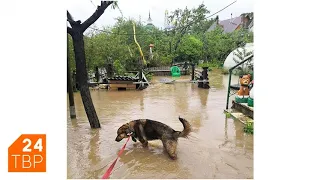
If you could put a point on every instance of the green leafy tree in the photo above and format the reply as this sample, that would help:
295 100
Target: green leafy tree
116 43
190 49
219 45
120 70
188 21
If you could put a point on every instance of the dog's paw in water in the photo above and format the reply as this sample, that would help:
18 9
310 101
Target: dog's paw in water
174 157
145 145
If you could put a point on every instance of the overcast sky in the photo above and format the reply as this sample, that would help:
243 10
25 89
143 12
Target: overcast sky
82 9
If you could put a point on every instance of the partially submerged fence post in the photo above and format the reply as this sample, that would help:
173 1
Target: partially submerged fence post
70 89
205 77
192 73
97 74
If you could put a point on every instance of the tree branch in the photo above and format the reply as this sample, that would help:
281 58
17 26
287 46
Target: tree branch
93 18
69 17
71 20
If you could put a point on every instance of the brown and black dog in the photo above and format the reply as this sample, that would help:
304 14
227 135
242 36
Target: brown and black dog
146 129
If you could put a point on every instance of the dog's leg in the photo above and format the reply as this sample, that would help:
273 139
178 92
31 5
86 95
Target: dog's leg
143 138
170 146
143 142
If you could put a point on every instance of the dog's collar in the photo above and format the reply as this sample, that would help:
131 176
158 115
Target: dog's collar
133 135
130 134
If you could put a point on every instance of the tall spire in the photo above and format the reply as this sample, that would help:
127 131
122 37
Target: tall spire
149 25
166 20
149 19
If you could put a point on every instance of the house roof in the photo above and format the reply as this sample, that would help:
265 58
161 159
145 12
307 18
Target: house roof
229 25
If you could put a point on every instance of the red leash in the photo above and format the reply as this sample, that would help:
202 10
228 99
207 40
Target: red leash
107 174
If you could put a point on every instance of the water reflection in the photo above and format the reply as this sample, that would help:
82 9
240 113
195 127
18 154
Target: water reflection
216 80
94 154
94 146
74 123
141 102
203 94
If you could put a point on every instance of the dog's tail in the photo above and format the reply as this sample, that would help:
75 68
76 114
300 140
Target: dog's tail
186 129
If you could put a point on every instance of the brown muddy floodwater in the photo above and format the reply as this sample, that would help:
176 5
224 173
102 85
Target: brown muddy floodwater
217 147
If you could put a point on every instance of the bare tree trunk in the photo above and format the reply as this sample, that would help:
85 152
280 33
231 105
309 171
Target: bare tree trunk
82 78
76 31
70 89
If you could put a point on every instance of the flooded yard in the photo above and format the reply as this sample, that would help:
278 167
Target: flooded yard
217 147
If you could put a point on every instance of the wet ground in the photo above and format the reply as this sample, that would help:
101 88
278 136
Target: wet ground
217 147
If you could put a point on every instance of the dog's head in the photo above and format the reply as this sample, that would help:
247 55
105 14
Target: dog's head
245 79
123 132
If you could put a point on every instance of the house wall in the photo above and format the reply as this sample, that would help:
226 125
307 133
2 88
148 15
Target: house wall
244 22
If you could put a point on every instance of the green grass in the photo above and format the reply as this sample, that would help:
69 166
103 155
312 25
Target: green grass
228 115
248 128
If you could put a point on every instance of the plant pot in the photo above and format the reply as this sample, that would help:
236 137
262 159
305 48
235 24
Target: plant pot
240 99
250 102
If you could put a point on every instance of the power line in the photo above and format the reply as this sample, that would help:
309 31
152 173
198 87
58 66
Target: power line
221 9
207 16
162 33
93 3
